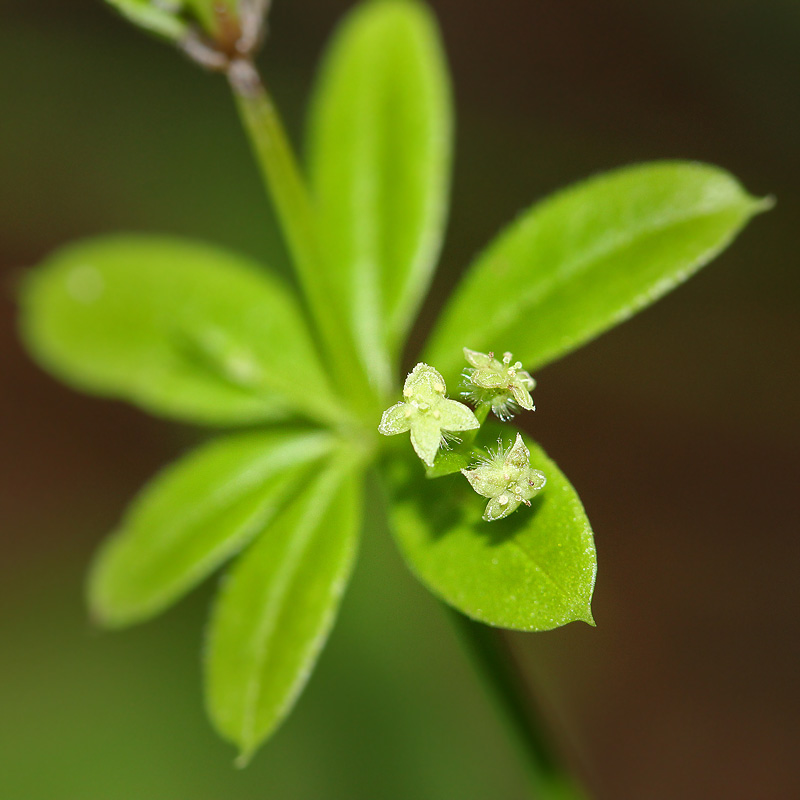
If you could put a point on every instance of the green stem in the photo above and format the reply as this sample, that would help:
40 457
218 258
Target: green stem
290 196
493 659
468 437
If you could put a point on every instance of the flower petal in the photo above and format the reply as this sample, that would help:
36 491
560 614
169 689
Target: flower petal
486 481
426 436
518 455
539 480
497 509
476 359
522 397
394 420
424 377
455 416
487 379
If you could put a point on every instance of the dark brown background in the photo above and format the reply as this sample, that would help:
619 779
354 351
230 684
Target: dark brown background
679 428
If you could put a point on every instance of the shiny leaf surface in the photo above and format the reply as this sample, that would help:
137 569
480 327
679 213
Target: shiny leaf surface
588 258
532 571
276 608
194 516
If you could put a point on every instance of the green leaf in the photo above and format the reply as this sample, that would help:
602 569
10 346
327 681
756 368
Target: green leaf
531 571
193 517
380 141
171 18
152 17
181 329
588 258
276 608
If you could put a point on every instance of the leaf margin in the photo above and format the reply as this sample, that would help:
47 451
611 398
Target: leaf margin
444 339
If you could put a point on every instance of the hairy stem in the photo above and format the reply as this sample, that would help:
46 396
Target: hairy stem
290 196
493 660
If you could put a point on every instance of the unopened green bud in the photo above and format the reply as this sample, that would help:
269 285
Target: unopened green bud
218 18
507 479
427 413
213 32
502 384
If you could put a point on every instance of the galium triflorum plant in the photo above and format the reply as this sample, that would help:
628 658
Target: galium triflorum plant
205 336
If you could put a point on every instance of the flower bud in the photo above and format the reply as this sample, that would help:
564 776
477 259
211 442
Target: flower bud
213 32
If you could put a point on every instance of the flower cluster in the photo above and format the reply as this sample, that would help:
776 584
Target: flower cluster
505 476
503 385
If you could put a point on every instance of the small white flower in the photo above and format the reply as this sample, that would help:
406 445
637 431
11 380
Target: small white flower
507 479
427 413
505 385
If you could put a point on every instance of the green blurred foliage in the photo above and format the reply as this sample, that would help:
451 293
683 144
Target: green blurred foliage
392 710
688 686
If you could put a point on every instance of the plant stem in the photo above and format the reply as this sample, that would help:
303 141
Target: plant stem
290 196
493 660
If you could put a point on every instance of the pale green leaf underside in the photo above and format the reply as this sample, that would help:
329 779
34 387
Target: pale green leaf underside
276 607
379 141
171 19
193 517
181 329
588 258
532 571
151 17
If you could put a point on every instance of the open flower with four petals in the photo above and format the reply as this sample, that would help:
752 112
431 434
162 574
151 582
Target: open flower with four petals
503 384
507 479
427 413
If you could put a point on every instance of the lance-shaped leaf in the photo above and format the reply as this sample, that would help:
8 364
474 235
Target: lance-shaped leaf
276 607
160 19
532 571
172 19
194 516
589 258
181 329
379 139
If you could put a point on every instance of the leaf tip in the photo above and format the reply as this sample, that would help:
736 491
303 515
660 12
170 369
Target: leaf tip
105 611
244 758
96 617
587 617
95 607
761 204
105 619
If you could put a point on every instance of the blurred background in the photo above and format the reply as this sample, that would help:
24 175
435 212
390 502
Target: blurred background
679 429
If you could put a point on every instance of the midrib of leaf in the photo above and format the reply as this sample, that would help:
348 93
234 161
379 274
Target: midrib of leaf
416 281
298 544
264 385
564 591
615 243
384 243
273 504
366 313
539 568
311 447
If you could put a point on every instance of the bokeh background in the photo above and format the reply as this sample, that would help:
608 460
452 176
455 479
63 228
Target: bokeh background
679 428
